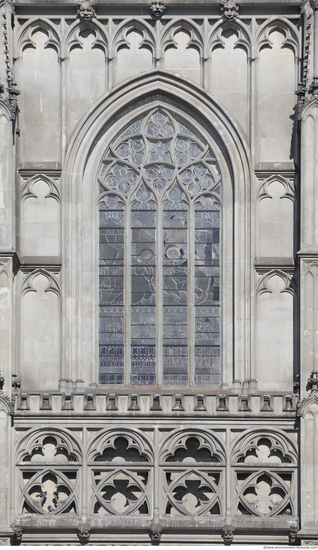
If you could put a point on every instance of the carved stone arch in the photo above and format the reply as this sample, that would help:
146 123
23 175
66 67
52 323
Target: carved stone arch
6 405
279 444
27 188
310 110
263 190
120 37
35 440
6 6
169 32
103 123
262 285
5 111
206 444
73 38
281 24
30 27
135 444
244 38
52 283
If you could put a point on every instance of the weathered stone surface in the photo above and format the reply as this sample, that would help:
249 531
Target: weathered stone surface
174 136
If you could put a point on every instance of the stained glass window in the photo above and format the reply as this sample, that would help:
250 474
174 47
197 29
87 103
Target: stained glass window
159 258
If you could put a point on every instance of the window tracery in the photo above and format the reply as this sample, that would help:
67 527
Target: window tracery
192 468
159 283
265 476
49 474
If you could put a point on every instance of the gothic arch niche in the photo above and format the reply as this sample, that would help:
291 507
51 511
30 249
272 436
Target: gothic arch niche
102 126
40 95
160 281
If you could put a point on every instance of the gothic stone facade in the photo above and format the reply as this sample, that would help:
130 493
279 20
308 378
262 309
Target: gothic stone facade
159 272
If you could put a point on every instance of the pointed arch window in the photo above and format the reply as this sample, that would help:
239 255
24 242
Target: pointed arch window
159 256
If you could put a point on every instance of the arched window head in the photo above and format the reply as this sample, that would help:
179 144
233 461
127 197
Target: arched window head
159 259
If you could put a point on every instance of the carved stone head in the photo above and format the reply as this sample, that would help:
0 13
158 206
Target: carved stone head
157 8
228 534
85 10
229 10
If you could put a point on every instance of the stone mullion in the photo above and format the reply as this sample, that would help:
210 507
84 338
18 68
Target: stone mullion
159 298
127 294
191 293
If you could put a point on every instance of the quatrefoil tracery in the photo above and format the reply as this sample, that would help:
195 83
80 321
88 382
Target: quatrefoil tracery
266 493
192 492
122 492
49 492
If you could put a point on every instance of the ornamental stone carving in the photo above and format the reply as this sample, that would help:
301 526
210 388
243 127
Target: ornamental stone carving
228 532
229 10
157 9
85 10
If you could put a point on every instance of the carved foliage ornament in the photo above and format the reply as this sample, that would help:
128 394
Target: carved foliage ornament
229 10
85 10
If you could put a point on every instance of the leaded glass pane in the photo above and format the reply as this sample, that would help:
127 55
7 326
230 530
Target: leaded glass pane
167 265
143 288
207 293
111 291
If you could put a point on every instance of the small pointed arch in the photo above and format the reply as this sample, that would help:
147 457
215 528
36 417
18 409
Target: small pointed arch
34 442
7 6
5 112
199 445
52 284
263 284
123 444
73 37
310 111
38 24
264 192
244 39
174 27
28 188
276 440
280 24
121 38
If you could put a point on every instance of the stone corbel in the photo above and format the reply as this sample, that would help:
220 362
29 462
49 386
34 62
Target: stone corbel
294 528
84 532
85 10
17 534
228 532
229 10
155 533
157 9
